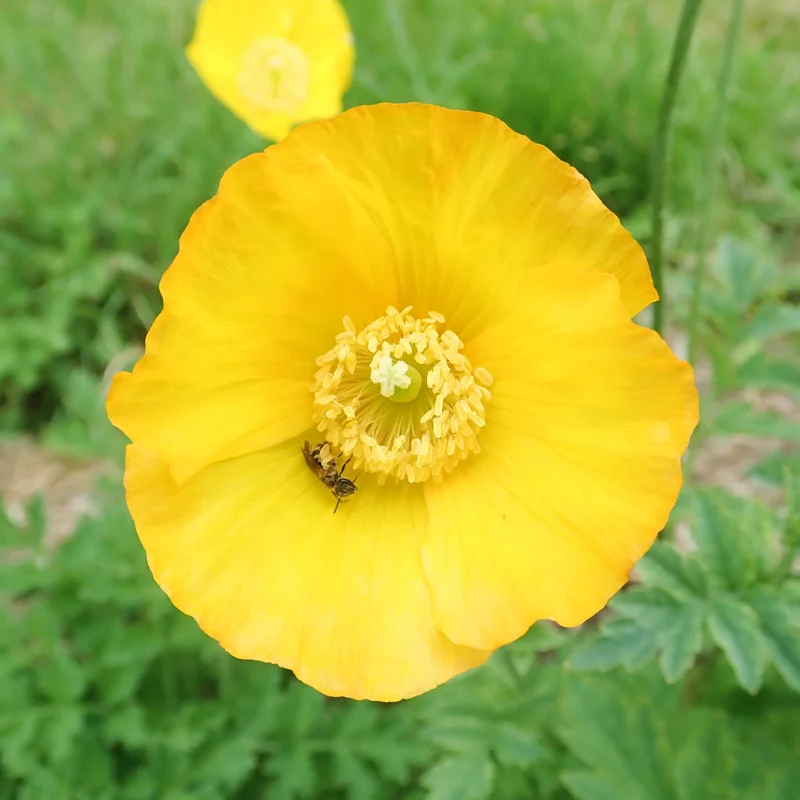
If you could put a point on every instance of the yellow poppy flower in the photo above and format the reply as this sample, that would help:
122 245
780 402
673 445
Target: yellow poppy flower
448 306
274 63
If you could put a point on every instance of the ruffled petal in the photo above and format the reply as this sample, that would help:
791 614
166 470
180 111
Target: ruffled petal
468 207
579 469
251 549
264 274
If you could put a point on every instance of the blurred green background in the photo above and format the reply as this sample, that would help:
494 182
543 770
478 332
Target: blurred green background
688 687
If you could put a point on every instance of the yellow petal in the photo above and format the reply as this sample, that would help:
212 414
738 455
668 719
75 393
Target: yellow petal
579 469
252 550
263 277
274 63
468 206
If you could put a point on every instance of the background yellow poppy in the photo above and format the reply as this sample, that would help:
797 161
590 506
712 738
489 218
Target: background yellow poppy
275 63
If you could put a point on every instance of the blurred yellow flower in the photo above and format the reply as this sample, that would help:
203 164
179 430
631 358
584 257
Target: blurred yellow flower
274 63
448 306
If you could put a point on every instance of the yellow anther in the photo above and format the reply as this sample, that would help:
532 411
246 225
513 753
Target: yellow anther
483 376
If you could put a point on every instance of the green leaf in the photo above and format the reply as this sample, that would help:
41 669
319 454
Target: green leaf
466 776
739 417
127 726
761 372
681 642
734 626
705 764
619 729
653 621
226 762
545 636
775 466
294 774
782 640
353 775
651 608
586 786
19 734
308 706
515 746
61 677
639 740
790 598
60 726
741 274
791 523
735 537
43 784
458 733
680 576
774 319
623 643
766 762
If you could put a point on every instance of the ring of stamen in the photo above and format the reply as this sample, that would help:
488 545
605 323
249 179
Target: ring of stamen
356 409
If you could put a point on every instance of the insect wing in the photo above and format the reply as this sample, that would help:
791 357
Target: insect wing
312 462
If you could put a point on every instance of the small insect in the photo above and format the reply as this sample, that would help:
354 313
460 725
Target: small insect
321 461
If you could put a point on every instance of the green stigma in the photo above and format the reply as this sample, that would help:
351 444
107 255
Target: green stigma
400 382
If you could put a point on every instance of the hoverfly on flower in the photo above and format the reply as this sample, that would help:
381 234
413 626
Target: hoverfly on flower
324 465
449 306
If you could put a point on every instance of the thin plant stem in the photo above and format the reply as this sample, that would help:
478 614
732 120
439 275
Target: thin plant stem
791 530
395 16
715 138
680 50
366 80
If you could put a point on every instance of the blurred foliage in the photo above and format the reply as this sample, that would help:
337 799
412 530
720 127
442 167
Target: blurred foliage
732 593
106 691
686 687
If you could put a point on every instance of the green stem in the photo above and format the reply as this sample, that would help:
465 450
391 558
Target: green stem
715 138
680 50
791 530
404 44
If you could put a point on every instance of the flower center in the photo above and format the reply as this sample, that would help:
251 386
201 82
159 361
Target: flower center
400 398
399 381
274 75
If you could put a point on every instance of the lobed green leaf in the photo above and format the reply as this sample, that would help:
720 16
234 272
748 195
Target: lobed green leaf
466 776
734 626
